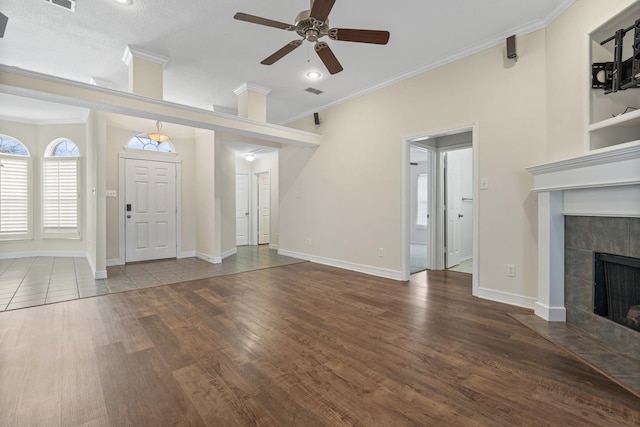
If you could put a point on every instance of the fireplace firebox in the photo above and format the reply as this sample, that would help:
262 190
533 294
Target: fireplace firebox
616 292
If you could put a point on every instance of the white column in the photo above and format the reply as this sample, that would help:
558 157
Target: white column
252 102
145 72
550 305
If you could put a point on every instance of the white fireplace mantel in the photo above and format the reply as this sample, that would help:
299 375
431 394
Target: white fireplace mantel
603 182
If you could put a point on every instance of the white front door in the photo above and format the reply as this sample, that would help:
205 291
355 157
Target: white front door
150 210
242 209
264 208
454 200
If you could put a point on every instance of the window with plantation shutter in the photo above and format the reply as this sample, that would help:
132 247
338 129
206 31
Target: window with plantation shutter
60 190
14 189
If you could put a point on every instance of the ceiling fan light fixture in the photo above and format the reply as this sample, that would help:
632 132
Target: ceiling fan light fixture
313 75
158 136
249 157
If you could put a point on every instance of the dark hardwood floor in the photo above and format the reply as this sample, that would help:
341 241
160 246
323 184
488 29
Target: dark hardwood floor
297 345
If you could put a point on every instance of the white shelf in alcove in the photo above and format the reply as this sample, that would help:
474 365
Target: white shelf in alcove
630 119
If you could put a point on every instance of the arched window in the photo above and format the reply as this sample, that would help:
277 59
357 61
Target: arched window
14 189
60 189
142 142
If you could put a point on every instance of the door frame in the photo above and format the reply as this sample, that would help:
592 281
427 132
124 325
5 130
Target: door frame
439 214
255 209
249 194
130 154
432 173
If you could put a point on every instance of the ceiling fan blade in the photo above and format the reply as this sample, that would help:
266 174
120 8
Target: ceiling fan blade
321 8
359 36
288 48
328 58
262 21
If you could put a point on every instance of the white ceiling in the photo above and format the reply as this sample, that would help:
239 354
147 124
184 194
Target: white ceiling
211 54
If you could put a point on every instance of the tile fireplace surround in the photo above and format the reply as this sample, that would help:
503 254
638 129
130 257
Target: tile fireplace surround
602 183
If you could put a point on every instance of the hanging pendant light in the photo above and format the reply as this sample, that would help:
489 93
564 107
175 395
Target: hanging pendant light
158 136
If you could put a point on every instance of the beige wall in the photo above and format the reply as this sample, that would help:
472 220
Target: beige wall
346 197
36 138
225 197
97 173
118 135
205 204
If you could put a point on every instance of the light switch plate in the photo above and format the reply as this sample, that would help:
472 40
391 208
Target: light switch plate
112 193
484 183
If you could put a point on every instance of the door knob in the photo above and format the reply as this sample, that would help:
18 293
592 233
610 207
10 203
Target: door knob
246 213
128 216
460 216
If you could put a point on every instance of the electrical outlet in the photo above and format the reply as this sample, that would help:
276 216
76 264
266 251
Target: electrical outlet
380 252
308 241
484 183
511 270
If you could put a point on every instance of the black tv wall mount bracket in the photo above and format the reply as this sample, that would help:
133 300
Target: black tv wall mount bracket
619 74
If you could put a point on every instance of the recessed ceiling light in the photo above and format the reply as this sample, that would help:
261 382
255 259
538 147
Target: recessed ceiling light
314 75
124 2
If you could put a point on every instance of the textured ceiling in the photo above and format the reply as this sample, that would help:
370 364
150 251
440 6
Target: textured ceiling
211 54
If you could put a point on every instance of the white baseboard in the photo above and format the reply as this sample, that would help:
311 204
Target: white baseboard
507 298
12 255
209 258
360 268
550 314
189 254
97 274
274 247
229 253
114 262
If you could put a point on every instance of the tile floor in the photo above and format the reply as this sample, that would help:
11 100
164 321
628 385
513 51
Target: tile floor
417 258
465 266
28 282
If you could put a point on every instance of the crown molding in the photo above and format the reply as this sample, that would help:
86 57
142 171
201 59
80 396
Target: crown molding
252 87
97 81
47 122
131 51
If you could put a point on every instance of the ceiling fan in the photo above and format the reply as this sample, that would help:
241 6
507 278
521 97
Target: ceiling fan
311 25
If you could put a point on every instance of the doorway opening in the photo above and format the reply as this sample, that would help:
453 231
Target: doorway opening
440 202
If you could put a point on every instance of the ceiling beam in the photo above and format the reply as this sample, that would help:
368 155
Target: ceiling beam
16 81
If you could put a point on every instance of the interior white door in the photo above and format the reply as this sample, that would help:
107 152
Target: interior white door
150 210
264 208
453 197
242 209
